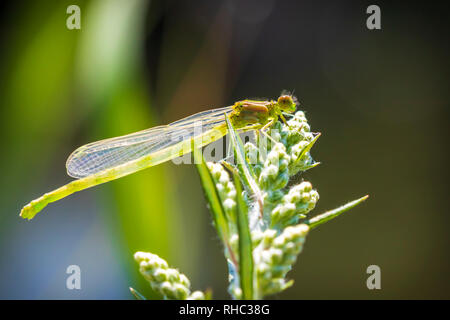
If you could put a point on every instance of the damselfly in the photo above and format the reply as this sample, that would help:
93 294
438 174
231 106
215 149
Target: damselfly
110 159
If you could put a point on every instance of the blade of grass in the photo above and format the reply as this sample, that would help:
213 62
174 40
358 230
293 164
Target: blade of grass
307 148
211 193
137 294
246 172
245 243
315 164
324 217
208 294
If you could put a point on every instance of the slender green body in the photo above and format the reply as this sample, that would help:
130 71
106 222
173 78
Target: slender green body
246 114
31 209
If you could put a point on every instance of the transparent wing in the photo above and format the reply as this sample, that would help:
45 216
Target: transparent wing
98 156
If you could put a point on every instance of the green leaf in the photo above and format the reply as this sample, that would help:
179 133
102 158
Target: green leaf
324 217
307 148
246 172
245 244
137 294
212 194
208 294
315 164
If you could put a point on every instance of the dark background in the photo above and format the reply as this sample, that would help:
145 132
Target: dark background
380 99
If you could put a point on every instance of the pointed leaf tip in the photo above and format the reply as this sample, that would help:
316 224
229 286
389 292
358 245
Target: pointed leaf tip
325 217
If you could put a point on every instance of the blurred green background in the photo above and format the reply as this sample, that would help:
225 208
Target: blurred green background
380 99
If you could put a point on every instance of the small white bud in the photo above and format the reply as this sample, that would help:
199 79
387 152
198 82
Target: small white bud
229 204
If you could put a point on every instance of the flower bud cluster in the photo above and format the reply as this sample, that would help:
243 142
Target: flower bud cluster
275 173
225 187
300 199
170 283
299 138
274 256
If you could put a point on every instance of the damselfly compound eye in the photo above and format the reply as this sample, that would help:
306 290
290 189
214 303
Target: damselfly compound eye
286 103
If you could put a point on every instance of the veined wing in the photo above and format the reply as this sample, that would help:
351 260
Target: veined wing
101 155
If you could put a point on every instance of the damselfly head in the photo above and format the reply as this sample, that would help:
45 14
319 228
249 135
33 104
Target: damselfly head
287 103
